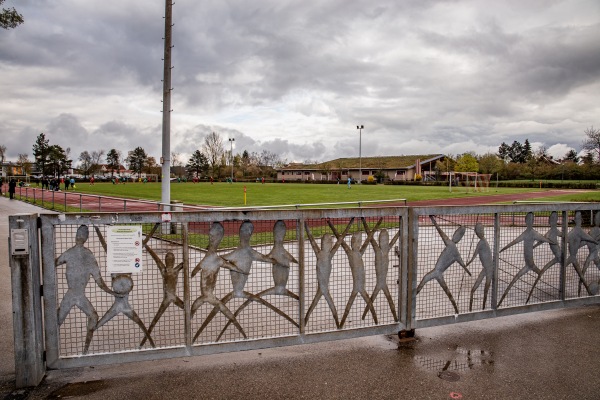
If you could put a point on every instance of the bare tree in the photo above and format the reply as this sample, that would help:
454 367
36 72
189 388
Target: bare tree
213 149
177 164
592 143
96 158
86 163
24 163
2 152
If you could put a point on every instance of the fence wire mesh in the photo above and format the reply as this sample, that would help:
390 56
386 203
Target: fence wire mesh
229 280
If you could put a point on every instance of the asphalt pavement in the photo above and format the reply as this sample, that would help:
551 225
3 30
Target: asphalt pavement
544 355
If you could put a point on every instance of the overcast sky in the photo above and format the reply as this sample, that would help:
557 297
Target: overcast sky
296 77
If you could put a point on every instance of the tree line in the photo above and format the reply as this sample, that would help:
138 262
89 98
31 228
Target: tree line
212 159
519 161
514 161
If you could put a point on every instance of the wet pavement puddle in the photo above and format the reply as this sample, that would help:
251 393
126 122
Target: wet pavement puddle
461 361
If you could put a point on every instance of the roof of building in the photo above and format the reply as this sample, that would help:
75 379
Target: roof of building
383 162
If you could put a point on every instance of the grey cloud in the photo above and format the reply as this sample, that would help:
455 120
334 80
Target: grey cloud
423 76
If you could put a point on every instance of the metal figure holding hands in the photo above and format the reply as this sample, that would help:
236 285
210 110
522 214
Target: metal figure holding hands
209 268
80 265
357 267
487 262
170 275
448 256
382 262
282 261
554 235
575 240
324 256
593 255
122 285
529 237
243 257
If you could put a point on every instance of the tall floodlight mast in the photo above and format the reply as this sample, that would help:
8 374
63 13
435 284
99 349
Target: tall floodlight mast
166 122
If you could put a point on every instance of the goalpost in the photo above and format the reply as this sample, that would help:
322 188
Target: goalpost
473 181
477 182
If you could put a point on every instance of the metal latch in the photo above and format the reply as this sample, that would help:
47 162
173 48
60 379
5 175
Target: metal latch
19 240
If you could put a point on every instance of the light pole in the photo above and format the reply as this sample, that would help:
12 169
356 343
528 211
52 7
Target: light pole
360 128
231 140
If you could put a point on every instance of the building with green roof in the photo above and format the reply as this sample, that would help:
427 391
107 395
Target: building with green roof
386 168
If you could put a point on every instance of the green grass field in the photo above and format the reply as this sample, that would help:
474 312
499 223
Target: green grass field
232 195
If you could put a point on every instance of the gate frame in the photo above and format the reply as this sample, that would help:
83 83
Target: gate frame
49 221
29 327
563 208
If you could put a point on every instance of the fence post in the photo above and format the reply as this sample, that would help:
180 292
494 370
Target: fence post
26 296
565 255
300 237
412 247
494 297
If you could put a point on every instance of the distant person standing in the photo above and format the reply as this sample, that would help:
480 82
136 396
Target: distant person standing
349 183
72 182
92 181
1 183
12 185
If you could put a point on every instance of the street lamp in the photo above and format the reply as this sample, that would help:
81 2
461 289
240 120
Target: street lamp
360 128
231 140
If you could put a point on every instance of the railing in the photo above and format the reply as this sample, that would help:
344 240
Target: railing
230 280
71 201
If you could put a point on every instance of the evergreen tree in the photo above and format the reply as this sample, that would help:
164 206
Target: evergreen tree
572 156
113 161
58 160
504 152
136 159
198 164
41 150
516 153
527 153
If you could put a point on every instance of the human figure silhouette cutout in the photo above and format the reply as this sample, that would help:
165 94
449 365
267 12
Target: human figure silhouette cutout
554 235
483 250
382 263
282 261
593 255
243 257
122 285
529 237
170 274
80 265
357 267
447 257
576 239
209 268
324 255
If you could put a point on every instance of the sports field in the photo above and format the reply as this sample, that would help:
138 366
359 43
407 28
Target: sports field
257 194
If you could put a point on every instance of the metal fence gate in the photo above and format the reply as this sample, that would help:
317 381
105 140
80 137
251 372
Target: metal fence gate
235 280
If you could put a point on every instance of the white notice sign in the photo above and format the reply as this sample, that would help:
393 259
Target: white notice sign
124 249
